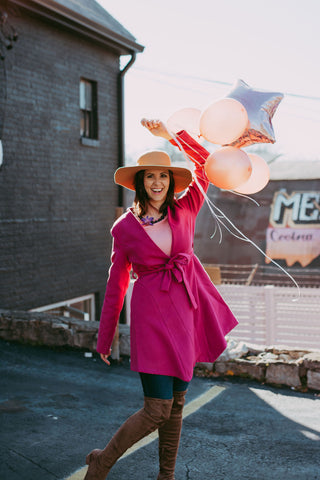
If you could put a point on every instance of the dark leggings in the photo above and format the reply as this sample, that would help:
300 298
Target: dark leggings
161 386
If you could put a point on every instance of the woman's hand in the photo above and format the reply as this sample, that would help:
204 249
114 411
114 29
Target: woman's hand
157 128
104 357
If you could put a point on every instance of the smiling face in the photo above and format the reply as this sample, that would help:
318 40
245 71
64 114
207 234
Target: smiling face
156 183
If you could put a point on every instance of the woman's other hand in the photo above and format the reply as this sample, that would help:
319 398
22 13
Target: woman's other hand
104 357
156 127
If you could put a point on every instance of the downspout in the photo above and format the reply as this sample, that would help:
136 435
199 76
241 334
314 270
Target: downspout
119 209
121 148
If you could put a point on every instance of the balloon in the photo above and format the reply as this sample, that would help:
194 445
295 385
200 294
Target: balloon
259 177
260 107
223 121
228 167
185 119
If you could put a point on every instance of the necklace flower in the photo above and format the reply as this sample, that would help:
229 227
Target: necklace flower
147 220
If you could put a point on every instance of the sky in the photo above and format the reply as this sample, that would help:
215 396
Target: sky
196 50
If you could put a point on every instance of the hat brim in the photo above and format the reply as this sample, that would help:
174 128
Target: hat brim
124 176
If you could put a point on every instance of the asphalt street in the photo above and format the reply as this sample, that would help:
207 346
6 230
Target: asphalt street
57 405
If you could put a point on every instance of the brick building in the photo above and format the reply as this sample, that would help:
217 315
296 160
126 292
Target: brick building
61 133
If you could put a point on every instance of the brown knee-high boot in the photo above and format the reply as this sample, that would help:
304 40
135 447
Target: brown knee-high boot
169 438
154 413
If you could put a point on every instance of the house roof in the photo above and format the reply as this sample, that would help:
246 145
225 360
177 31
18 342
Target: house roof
286 165
293 169
88 18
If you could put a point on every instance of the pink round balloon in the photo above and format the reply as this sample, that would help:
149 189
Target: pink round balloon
223 121
228 167
259 177
186 119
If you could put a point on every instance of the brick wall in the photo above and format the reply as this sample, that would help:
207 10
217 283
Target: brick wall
57 197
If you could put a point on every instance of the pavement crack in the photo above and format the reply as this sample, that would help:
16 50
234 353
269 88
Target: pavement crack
187 472
34 463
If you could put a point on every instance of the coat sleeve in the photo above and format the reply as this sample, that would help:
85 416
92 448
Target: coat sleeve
117 286
193 197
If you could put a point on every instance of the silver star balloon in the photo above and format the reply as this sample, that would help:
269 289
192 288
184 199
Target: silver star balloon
260 106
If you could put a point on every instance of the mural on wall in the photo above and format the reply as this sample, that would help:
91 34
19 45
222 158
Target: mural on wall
293 234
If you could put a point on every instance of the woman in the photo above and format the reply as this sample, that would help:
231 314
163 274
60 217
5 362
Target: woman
177 316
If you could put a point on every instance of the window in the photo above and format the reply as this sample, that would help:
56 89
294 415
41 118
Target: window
89 109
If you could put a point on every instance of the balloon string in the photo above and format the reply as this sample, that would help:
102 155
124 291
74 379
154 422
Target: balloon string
241 235
210 204
218 218
245 196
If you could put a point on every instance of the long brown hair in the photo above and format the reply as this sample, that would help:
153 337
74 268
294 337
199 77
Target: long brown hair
140 203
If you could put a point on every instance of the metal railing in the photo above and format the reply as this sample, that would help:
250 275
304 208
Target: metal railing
262 275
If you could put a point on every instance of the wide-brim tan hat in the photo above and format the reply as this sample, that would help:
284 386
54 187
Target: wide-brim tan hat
153 160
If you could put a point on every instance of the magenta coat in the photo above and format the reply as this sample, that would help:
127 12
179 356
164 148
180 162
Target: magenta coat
178 317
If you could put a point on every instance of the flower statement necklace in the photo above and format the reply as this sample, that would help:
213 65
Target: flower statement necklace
150 220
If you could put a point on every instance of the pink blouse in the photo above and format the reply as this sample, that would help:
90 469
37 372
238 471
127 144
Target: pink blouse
161 234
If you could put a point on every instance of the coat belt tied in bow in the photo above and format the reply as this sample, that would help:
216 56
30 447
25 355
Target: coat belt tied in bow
174 268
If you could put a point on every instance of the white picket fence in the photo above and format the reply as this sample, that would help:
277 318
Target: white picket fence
270 315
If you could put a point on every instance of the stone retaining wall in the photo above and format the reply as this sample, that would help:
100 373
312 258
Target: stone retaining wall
36 328
296 368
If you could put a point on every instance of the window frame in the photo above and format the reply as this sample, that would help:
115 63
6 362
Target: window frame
88 103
